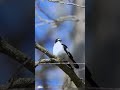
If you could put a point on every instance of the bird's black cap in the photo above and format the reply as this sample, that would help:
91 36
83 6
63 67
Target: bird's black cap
58 39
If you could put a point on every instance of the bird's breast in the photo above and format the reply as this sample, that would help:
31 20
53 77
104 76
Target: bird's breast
58 49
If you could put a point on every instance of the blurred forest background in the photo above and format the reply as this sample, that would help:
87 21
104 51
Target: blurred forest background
65 20
17 28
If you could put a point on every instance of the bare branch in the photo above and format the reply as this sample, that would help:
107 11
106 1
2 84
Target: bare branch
16 55
37 46
38 6
52 61
56 22
62 2
19 83
77 81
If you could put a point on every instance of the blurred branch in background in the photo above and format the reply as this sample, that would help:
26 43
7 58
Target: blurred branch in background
42 74
66 3
53 59
54 22
68 84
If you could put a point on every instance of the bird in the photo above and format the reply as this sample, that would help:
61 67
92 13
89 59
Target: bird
61 50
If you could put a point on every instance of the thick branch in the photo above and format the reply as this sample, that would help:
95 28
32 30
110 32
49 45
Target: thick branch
44 51
16 55
77 81
24 82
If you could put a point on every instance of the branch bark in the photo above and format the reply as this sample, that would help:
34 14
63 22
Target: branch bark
37 46
17 55
53 59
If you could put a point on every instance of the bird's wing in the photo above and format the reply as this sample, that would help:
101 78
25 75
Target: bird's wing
66 50
70 55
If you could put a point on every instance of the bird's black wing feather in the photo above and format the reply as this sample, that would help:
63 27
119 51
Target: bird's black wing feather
70 56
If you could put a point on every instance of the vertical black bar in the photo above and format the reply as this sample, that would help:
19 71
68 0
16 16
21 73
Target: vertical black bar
103 42
17 22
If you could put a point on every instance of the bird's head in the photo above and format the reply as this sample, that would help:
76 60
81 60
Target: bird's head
58 40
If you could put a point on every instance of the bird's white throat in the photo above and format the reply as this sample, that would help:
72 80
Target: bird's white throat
58 49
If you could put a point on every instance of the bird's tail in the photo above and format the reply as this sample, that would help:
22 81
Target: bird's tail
75 64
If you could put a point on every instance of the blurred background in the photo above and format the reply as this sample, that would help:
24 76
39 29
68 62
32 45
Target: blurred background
54 20
17 28
103 41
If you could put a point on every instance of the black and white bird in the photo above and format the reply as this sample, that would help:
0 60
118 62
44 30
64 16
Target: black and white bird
61 50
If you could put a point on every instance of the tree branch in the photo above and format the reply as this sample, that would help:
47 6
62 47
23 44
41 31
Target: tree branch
17 55
62 2
77 81
37 46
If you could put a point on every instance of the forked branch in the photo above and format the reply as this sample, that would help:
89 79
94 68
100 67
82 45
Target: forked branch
53 59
